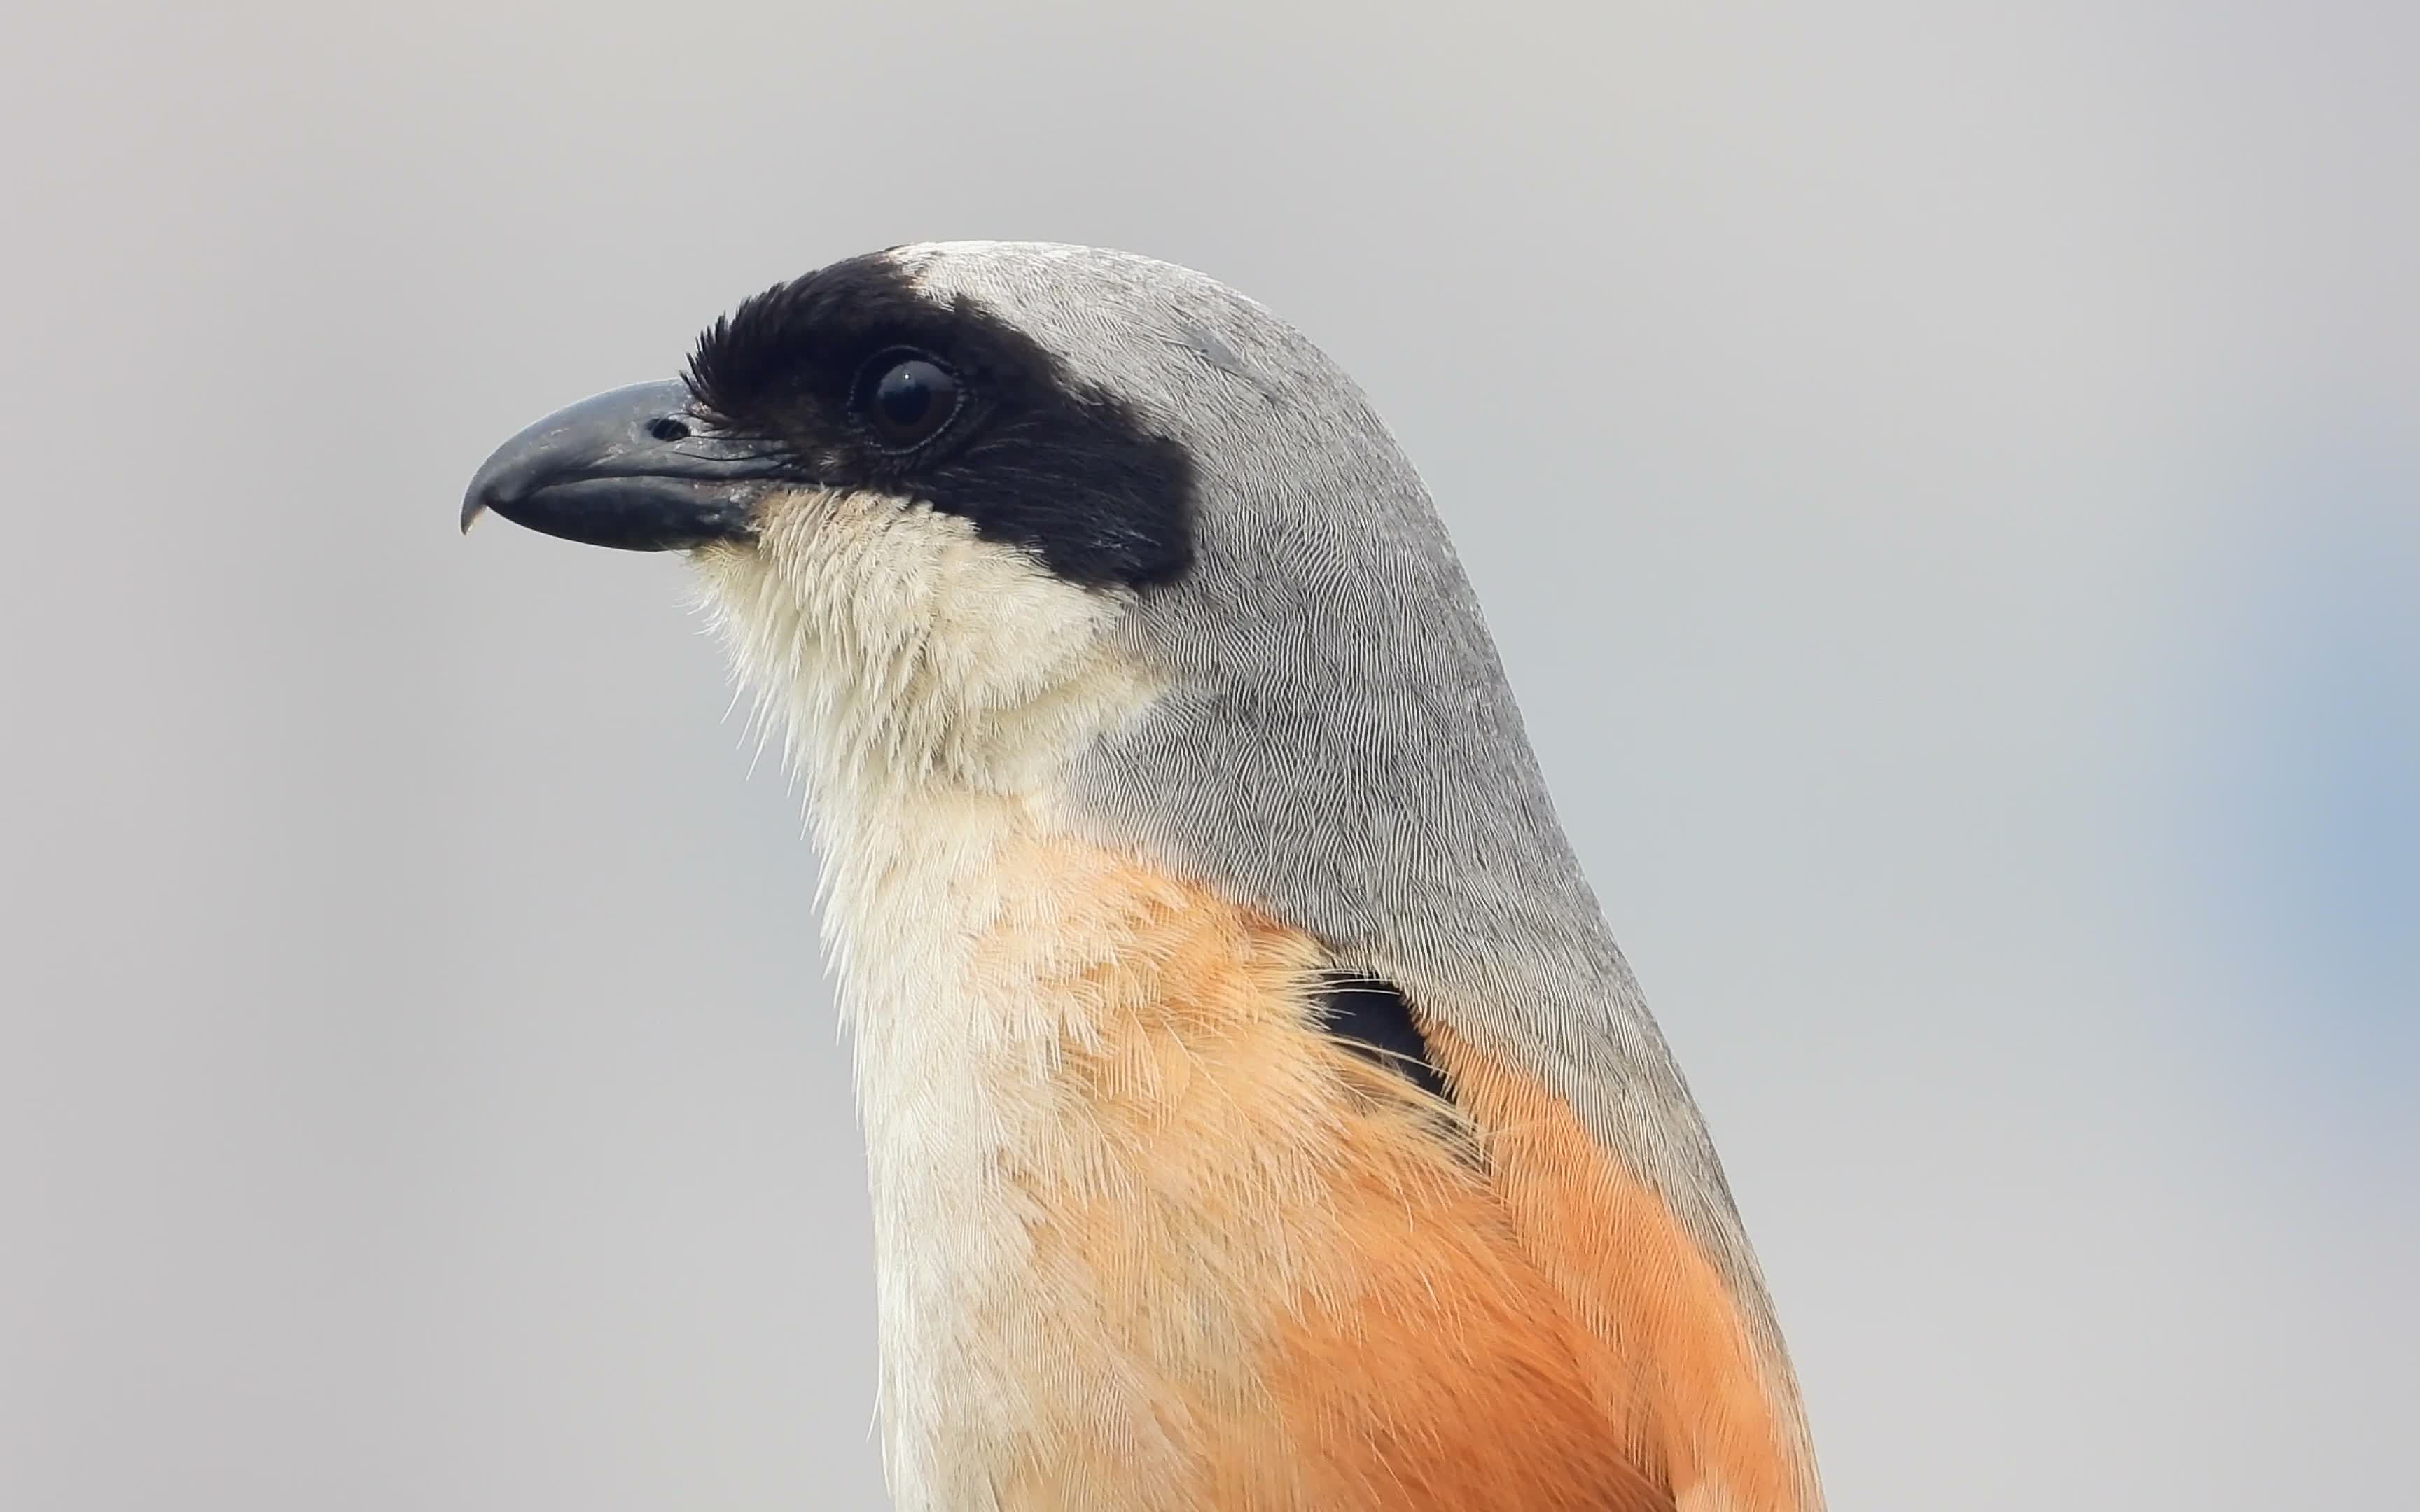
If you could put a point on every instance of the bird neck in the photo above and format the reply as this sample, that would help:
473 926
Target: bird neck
1050 1038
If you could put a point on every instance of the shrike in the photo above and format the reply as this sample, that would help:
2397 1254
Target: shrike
1259 1113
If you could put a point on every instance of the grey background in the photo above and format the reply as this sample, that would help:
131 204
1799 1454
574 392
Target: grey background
1943 478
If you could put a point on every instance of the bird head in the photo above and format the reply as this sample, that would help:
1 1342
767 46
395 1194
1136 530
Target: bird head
940 491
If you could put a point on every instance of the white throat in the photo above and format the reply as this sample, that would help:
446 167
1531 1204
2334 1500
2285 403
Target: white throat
931 687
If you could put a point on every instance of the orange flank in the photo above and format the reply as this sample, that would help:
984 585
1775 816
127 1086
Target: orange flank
1677 1369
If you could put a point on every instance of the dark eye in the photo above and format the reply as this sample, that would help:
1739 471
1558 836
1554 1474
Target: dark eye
910 399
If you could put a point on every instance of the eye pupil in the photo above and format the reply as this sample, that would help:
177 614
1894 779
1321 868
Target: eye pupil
905 397
911 401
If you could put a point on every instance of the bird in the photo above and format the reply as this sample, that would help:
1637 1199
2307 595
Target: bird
1259 1116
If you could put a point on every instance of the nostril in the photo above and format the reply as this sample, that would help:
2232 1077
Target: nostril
665 429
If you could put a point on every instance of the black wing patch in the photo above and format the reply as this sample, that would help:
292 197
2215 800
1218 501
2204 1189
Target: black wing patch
1372 1016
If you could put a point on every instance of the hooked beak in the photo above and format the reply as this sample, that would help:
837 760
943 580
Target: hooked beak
636 469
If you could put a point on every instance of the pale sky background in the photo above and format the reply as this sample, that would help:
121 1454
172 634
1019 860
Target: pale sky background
1946 481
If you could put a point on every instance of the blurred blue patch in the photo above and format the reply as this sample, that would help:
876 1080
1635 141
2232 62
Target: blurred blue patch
2307 811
